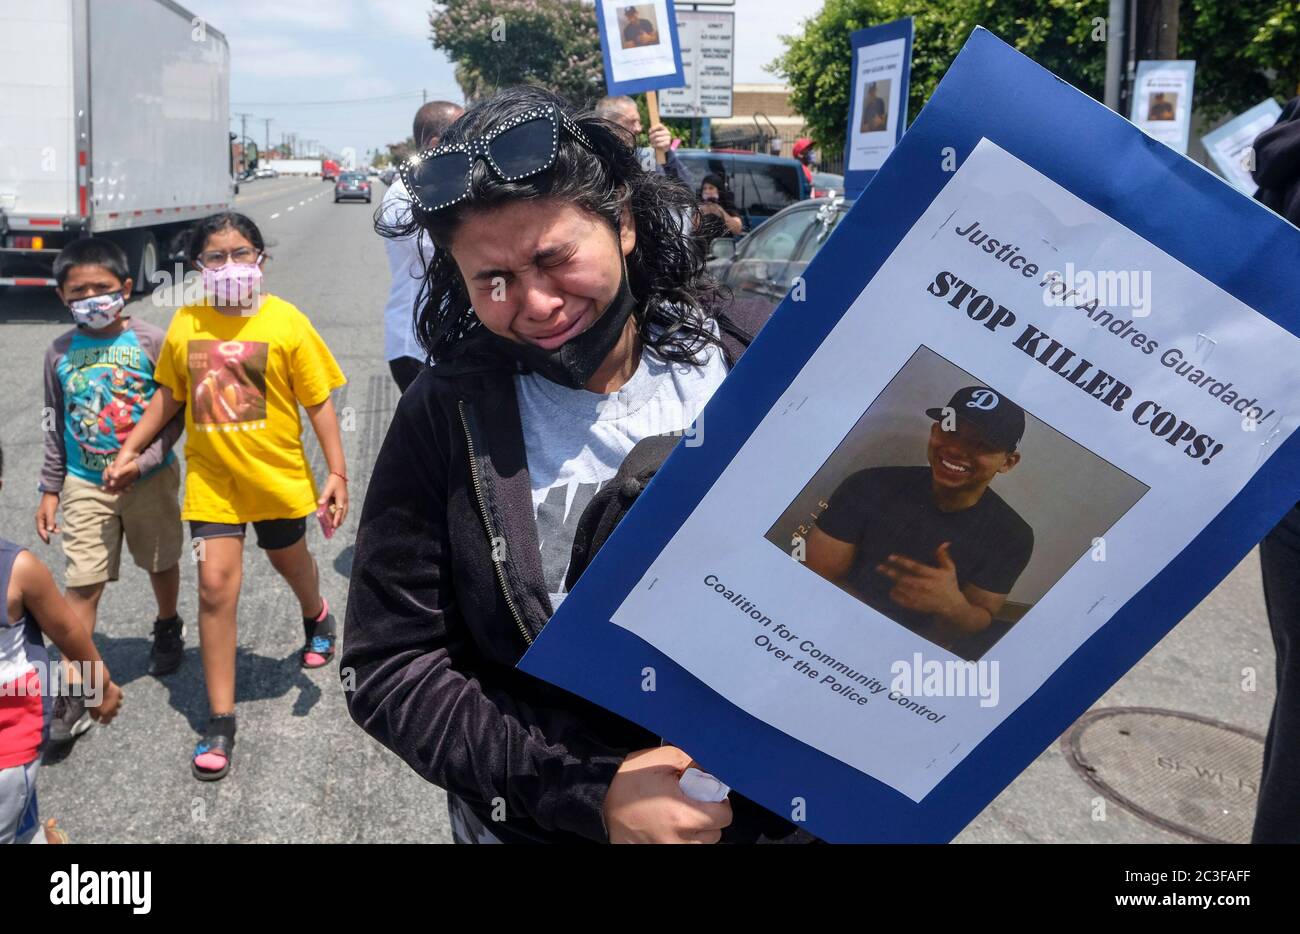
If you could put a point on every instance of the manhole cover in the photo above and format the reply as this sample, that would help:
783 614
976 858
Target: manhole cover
1184 773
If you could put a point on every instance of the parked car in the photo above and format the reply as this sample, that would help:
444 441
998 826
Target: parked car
761 185
827 185
352 186
266 172
762 266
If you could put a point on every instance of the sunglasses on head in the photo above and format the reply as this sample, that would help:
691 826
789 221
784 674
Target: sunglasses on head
521 146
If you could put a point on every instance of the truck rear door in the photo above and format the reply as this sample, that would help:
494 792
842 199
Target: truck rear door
38 157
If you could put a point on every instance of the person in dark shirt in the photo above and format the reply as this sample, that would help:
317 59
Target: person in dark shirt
638 32
718 215
1277 819
933 548
874 115
1160 108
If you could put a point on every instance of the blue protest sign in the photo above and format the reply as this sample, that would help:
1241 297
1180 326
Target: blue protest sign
1020 423
1161 103
638 42
1231 146
882 67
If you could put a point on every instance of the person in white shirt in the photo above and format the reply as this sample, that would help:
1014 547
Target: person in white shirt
407 256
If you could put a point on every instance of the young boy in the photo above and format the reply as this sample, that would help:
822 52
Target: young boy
32 599
99 378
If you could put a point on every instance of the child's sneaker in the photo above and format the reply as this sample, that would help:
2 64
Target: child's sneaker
70 720
168 646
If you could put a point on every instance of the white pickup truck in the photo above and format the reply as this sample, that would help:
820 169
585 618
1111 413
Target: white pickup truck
114 119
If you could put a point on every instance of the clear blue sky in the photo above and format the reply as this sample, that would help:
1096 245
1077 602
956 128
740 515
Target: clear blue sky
377 53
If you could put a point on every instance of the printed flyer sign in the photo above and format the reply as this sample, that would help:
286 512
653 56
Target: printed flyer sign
639 44
1017 427
1231 145
1091 441
878 103
1162 101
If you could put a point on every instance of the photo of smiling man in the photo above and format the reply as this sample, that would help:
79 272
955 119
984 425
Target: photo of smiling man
933 548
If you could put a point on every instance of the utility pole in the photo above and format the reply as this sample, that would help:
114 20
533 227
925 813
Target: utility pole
1152 36
243 140
424 96
1116 37
1157 30
267 121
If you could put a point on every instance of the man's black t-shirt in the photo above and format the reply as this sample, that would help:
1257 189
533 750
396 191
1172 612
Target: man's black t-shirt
632 32
873 113
890 511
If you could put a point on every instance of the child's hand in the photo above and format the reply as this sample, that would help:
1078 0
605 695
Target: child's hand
122 472
335 498
110 703
47 522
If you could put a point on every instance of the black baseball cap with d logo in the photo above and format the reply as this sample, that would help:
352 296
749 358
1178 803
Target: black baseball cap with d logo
999 420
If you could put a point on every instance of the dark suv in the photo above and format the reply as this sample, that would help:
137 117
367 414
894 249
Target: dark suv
761 185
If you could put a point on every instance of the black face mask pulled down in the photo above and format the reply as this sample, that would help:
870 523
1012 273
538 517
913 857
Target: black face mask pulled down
574 362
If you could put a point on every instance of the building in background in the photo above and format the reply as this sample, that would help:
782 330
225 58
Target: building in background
761 114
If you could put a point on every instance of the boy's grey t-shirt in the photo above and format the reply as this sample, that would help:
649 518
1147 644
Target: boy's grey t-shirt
575 440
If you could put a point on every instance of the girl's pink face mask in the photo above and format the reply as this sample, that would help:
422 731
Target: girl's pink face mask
233 283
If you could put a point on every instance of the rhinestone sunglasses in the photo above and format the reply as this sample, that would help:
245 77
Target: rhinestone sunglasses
522 146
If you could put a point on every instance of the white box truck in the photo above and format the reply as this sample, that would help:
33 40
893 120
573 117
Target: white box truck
293 166
114 122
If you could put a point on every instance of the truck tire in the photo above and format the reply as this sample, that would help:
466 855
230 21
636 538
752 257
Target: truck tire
141 248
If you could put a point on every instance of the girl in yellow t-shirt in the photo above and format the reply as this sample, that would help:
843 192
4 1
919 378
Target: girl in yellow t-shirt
240 364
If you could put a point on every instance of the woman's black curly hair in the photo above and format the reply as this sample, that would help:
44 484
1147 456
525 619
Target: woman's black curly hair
675 294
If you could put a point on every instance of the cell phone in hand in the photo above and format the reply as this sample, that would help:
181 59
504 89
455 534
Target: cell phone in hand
326 522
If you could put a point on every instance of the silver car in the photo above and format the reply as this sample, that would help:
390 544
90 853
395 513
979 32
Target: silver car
352 186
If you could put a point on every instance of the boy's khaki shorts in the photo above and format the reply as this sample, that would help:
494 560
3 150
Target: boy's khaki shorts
95 522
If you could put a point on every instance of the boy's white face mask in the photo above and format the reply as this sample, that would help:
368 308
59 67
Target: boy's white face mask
97 312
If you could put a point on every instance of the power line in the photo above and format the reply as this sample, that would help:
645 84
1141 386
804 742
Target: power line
355 100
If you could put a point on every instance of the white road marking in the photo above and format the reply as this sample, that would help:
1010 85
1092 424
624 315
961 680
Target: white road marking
275 215
290 208
301 203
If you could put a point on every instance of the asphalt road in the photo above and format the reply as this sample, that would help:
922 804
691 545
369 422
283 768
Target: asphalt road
303 771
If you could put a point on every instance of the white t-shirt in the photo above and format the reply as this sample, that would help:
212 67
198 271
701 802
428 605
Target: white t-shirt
407 270
576 440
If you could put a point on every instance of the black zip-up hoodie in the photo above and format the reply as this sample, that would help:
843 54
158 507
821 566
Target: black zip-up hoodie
435 627
1277 164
